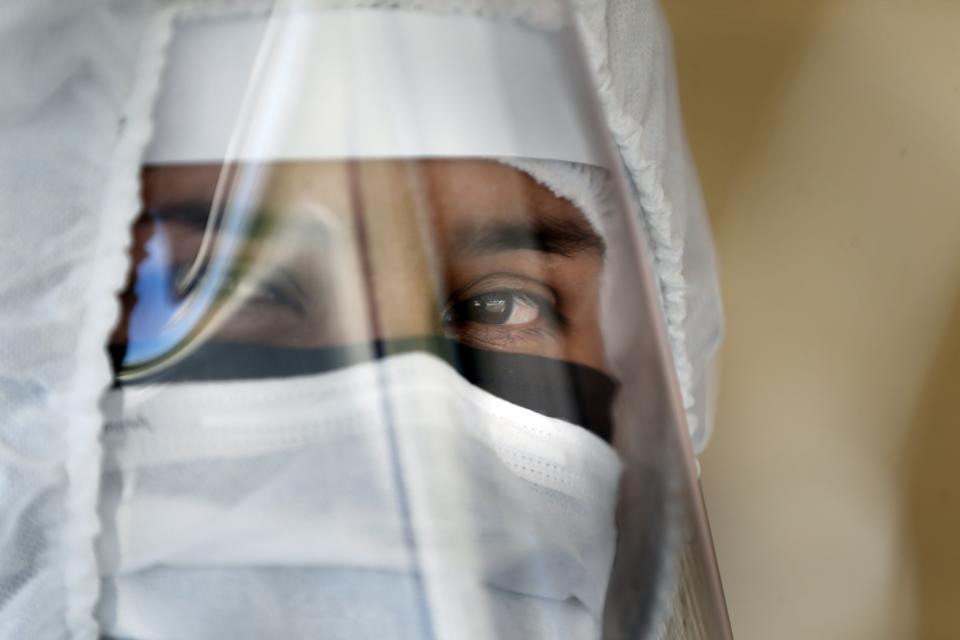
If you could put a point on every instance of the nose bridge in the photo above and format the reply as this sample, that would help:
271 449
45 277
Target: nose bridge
393 221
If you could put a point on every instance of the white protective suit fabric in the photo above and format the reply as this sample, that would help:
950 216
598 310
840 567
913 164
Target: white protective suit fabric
79 81
70 81
205 484
628 46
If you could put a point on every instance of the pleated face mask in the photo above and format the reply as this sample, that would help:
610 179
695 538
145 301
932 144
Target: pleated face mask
387 500
391 362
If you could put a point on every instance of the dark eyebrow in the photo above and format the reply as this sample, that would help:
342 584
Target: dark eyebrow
557 237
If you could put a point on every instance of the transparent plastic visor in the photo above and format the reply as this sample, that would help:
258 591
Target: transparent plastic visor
391 362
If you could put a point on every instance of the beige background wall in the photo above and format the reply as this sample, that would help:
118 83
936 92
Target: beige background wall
828 139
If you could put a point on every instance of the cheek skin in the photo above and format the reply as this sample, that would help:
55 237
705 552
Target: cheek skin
580 298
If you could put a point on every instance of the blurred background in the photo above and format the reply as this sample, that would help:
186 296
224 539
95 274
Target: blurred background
827 135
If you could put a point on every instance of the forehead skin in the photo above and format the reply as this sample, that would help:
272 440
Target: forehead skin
408 221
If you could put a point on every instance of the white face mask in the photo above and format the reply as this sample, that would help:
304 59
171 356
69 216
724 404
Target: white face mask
388 500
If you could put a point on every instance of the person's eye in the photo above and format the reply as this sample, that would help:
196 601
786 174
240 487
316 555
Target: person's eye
507 308
255 290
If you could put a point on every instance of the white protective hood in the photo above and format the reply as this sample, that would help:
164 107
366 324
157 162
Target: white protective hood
79 80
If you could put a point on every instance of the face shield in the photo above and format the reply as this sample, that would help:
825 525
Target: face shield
391 361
